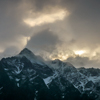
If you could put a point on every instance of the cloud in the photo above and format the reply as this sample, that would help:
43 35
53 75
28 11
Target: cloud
47 18
11 28
8 52
84 22
78 61
45 40
75 30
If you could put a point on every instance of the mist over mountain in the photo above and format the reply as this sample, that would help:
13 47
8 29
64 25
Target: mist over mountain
28 77
57 29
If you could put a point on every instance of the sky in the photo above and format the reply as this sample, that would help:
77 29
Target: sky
68 30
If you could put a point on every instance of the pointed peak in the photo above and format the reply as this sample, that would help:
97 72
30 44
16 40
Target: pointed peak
56 61
30 56
25 51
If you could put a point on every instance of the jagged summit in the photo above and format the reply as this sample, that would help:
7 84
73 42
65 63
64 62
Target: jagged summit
36 79
25 51
30 56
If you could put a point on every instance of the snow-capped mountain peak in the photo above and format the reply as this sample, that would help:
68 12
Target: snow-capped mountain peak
61 66
27 52
42 80
30 56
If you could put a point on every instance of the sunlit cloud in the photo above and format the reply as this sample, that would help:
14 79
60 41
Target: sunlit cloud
81 52
60 57
24 41
63 56
46 18
1 50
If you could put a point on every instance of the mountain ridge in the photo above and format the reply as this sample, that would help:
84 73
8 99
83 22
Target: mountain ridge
55 80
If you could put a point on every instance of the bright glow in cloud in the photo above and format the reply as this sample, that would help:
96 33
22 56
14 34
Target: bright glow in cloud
25 40
47 18
79 52
61 57
1 50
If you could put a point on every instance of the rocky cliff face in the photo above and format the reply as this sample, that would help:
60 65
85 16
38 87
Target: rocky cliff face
28 77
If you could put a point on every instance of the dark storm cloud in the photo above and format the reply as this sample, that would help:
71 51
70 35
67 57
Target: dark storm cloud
40 5
44 4
43 41
85 22
12 13
79 30
83 62
83 19
12 28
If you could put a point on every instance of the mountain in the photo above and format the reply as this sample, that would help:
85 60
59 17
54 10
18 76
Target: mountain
28 77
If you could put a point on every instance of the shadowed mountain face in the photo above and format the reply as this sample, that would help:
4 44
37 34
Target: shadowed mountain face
28 77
